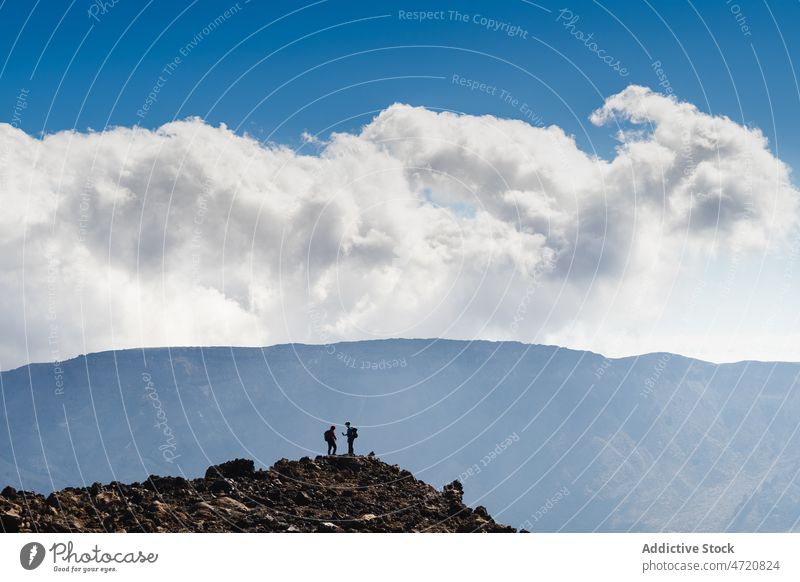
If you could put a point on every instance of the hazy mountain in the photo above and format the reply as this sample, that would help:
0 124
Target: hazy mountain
546 438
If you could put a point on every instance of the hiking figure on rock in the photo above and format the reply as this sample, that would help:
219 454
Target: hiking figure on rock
351 434
330 438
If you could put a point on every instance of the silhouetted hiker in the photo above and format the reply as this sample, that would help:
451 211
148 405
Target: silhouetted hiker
351 434
330 438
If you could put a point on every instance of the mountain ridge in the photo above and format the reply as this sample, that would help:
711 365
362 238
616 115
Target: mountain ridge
647 442
356 342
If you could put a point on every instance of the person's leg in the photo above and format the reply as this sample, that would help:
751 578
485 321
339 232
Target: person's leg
333 444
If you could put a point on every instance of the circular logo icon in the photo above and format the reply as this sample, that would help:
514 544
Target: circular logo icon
31 555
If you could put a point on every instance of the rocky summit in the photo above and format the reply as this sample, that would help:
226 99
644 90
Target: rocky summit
326 494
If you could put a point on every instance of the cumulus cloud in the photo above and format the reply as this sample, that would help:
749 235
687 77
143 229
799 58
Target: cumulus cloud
422 224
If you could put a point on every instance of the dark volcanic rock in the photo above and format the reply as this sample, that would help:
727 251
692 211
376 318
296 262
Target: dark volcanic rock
232 469
326 494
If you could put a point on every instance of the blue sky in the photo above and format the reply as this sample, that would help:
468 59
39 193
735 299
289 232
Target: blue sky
87 70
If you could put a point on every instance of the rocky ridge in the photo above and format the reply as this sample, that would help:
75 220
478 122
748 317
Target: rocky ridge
325 494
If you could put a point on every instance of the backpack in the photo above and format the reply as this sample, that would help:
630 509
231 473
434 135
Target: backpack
328 436
355 432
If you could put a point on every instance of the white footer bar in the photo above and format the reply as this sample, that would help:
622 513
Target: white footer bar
388 557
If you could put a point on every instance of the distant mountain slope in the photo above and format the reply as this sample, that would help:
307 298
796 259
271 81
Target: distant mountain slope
326 494
546 438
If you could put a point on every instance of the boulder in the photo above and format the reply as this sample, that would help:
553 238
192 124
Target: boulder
10 521
232 469
229 504
302 498
220 486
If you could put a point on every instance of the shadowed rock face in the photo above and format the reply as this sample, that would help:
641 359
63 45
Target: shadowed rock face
327 494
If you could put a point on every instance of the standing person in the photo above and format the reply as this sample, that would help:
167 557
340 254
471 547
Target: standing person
330 438
351 434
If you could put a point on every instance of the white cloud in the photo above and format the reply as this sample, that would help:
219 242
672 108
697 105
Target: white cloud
423 224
